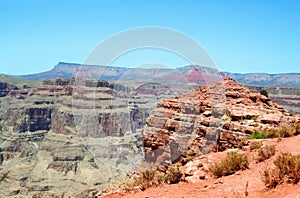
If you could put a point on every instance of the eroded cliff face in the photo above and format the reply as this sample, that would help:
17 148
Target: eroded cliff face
67 140
211 117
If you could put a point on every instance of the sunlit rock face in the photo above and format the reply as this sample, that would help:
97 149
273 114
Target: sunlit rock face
222 113
63 139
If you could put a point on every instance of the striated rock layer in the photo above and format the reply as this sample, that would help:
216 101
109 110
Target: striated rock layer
67 140
216 116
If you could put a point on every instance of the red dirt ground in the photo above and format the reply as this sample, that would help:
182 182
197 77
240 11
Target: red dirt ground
229 186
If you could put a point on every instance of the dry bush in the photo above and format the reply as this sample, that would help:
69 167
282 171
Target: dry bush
242 142
287 169
148 176
233 162
265 153
271 132
289 165
271 177
173 174
189 155
296 127
254 145
283 131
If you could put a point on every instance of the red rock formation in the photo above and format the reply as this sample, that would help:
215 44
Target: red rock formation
224 112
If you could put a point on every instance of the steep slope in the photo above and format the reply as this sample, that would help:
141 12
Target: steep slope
63 139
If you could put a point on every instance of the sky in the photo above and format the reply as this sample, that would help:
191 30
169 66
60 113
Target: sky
243 36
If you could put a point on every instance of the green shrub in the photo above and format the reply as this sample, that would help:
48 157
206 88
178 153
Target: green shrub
265 153
264 92
233 162
258 135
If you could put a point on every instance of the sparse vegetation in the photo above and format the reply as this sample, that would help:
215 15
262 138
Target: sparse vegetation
264 92
200 165
258 135
189 155
280 132
173 174
271 177
254 118
233 162
146 178
296 127
265 153
287 169
289 166
149 176
254 145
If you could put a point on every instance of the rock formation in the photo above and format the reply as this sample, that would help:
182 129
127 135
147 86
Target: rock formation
218 114
72 137
63 139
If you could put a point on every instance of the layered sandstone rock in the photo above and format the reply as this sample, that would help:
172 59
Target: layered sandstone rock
63 139
222 113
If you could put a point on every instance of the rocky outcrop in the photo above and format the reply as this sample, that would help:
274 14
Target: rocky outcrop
219 115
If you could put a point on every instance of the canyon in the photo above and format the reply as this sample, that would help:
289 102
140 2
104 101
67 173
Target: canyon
75 136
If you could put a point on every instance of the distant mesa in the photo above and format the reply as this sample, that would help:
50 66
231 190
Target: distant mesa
192 74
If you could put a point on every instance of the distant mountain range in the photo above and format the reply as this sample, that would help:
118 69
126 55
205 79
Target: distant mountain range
192 74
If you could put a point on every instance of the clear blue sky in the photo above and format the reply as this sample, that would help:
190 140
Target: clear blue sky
240 35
